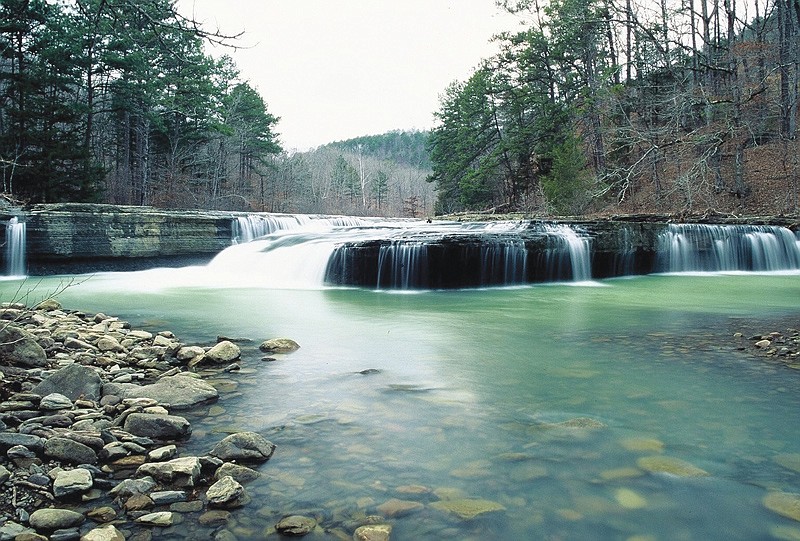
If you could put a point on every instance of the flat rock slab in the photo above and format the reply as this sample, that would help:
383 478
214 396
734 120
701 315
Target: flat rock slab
179 391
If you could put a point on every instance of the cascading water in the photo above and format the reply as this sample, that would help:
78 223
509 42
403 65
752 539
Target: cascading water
254 226
714 248
568 256
403 265
15 247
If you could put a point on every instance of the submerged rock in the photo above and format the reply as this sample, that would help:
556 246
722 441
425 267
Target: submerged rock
670 465
786 504
373 532
467 508
180 472
227 493
296 525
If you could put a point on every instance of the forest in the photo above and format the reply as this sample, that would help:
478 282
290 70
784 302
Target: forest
628 106
590 106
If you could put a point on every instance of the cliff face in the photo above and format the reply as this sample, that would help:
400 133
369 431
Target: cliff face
83 237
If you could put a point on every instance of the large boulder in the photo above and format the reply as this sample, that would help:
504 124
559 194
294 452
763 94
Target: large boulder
73 381
160 427
178 391
19 347
244 446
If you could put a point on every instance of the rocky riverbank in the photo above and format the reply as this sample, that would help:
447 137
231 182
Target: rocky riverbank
91 432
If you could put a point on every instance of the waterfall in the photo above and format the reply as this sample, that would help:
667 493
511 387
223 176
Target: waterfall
504 263
403 265
15 247
569 258
714 248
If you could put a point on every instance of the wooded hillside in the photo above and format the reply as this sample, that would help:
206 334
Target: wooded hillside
628 106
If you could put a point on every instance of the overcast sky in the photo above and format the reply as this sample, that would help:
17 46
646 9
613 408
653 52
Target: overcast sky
337 69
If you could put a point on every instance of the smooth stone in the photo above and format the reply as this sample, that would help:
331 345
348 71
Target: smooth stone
223 352
55 401
109 343
373 532
786 504
11 530
187 353
67 450
102 514
296 525
71 482
629 499
398 508
670 465
187 507
467 508
129 487
161 518
279 345
167 497
246 446
214 517
12 439
55 519
785 533
161 427
109 532
647 445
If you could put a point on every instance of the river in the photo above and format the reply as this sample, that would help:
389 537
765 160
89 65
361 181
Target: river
462 393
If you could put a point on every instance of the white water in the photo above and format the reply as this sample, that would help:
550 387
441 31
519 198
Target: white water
15 247
719 248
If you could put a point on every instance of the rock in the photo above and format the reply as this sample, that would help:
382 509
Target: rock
223 352
129 487
4 474
789 461
102 514
214 517
649 445
12 439
629 499
187 353
19 347
180 472
179 391
105 533
244 446
279 345
399 508
109 343
72 482
296 525
161 427
55 519
67 450
763 344
240 473
138 502
670 465
167 497
162 518
786 504
55 401
467 508
226 492
162 453
73 381
11 530
373 532
48 305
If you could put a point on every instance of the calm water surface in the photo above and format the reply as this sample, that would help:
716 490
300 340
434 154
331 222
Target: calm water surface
465 391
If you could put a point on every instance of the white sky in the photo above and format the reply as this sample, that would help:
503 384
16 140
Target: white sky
337 69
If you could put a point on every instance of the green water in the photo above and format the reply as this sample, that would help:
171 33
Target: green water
466 394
